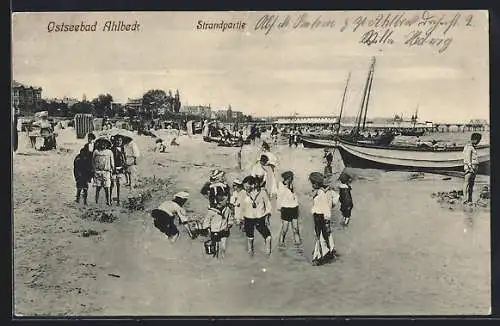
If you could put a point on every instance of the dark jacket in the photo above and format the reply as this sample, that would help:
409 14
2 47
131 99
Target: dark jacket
345 196
82 169
87 153
119 157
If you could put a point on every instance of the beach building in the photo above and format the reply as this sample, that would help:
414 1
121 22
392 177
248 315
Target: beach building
69 101
197 110
134 103
26 99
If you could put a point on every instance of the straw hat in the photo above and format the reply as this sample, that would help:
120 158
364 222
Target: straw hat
182 195
217 175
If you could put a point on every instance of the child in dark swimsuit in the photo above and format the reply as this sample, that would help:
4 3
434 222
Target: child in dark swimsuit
346 203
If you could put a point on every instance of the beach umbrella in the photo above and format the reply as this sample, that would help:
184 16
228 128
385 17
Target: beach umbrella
126 135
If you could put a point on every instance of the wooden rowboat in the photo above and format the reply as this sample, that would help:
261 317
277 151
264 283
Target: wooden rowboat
410 159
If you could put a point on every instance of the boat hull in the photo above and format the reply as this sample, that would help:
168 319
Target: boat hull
318 142
374 157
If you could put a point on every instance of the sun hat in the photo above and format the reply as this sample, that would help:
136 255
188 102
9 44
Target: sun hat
216 175
182 195
237 182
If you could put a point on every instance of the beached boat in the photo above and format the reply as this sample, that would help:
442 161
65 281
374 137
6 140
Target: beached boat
412 132
323 142
412 159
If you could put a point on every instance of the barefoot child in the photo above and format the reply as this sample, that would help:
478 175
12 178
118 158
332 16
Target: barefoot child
257 210
164 216
82 170
218 221
346 203
236 201
120 166
324 247
289 208
103 165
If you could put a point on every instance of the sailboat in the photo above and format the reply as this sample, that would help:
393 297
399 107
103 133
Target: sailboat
413 131
358 154
356 134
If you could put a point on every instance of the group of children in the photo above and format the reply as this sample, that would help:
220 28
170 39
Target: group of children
105 162
248 205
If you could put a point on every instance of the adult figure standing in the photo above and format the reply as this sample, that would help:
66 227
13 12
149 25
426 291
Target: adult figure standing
471 166
132 156
15 132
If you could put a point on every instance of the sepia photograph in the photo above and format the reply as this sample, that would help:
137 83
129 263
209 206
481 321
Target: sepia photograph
251 163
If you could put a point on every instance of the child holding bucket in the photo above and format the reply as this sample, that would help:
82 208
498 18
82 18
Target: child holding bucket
218 221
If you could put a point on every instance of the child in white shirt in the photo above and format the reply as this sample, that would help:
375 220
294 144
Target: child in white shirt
289 207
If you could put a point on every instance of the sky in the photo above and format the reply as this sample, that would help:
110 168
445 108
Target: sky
287 71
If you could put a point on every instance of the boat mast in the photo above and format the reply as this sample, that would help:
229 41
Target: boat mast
363 102
343 100
416 117
372 71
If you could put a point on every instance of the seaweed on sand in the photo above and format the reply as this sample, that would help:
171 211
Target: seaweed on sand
99 215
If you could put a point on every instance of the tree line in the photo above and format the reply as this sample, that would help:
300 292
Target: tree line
155 104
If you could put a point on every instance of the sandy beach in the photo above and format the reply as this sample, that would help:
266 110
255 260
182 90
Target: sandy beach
403 253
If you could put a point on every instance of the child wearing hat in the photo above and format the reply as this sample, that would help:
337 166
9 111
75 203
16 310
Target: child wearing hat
256 213
289 207
217 181
218 221
324 247
346 203
103 164
164 216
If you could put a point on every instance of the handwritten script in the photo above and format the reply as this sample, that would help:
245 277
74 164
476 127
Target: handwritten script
422 29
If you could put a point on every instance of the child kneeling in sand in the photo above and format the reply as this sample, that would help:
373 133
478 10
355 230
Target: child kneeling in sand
164 216
160 146
289 208
218 221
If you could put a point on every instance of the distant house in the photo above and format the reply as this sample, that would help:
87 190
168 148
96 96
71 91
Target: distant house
197 110
221 114
26 99
134 103
65 100
237 115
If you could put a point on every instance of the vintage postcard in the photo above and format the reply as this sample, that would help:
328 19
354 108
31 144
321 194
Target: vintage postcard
288 163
